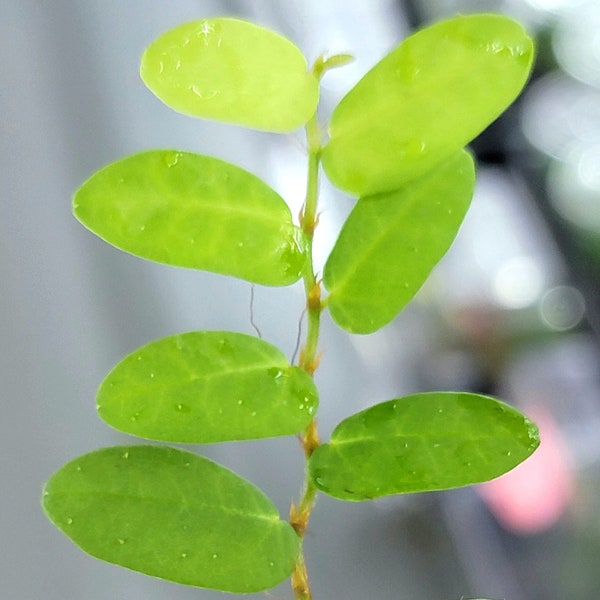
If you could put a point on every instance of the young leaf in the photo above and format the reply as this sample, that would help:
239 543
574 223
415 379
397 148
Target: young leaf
174 515
196 211
425 100
230 70
424 442
391 242
207 386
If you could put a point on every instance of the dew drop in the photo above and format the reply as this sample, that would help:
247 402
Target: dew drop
78 469
135 416
172 158
253 413
275 372
440 410
508 453
121 541
139 357
69 521
183 555
125 455
436 445
449 211
183 408
142 228
205 29
187 464
151 375
204 94
240 402
215 556
271 563
225 347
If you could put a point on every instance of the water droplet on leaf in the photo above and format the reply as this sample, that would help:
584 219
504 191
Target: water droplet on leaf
172 158
275 372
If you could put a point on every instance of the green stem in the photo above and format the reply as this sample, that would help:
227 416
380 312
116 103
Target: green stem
309 357
308 222
300 514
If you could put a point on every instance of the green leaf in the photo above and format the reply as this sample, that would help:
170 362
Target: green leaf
174 515
425 100
207 386
196 211
424 442
230 70
391 242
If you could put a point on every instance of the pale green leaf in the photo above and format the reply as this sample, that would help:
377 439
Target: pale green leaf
391 242
173 515
207 386
432 441
196 211
425 100
231 70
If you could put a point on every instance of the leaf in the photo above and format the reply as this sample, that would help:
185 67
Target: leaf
390 243
174 515
196 211
432 441
425 100
207 386
231 70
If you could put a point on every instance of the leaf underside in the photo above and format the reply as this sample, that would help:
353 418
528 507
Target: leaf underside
190 210
425 100
423 442
390 243
174 515
230 70
207 386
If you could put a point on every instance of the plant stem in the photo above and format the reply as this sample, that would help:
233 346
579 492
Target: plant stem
309 356
308 222
309 359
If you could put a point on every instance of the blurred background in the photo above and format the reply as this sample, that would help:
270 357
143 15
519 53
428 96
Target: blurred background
512 310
